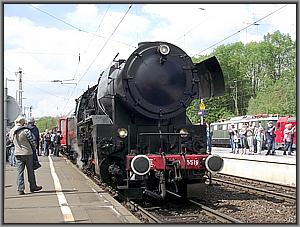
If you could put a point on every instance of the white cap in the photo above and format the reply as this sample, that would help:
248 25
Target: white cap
31 120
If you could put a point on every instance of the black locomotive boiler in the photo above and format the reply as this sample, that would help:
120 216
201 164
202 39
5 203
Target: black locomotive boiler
132 126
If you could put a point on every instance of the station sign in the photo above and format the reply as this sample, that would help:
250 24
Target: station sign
201 105
202 113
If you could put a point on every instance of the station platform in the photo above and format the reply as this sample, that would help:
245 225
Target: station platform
276 168
68 196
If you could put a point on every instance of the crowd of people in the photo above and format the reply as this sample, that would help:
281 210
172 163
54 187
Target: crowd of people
50 142
251 139
24 144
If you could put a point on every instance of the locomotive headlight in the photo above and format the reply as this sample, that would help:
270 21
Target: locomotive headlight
140 164
122 132
214 163
164 49
184 132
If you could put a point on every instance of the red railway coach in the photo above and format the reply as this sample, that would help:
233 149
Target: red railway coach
280 126
67 128
62 127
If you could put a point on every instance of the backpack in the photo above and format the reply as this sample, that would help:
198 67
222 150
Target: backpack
48 137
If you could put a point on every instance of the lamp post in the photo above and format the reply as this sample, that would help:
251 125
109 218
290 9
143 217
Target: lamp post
236 98
20 73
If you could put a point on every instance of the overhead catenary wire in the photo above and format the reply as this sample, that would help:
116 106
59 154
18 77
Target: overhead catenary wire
250 24
108 39
101 21
91 40
31 84
79 29
43 11
39 53
191 29
223 39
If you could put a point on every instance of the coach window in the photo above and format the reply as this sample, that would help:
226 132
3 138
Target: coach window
215 127
62 126
219 127
224 127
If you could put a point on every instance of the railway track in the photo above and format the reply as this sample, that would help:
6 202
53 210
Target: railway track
196 212
156 214
272 190
190 212
218 215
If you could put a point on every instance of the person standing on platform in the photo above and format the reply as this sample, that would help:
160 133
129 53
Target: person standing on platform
47 141
23 141
254 138
231 133
260 138
35 131
52 145
42 142
36 136
270 137
243 138
235 141
57 139
10 151
288 138
250 137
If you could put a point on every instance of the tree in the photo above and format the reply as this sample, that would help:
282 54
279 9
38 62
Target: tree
277 93
262 75
280 98
279 54
46 123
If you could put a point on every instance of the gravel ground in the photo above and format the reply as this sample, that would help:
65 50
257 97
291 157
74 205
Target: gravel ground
249 208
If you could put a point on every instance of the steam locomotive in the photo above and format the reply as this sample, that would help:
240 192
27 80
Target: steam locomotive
132 129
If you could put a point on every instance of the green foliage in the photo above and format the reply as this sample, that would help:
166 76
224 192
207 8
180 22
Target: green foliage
212 108
44 123
279 98
260 77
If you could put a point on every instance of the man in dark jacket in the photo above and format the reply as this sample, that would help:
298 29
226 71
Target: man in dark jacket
57 139
47 141
270 137
36 136
35 131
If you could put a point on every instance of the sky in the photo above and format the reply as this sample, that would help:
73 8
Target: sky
75 43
